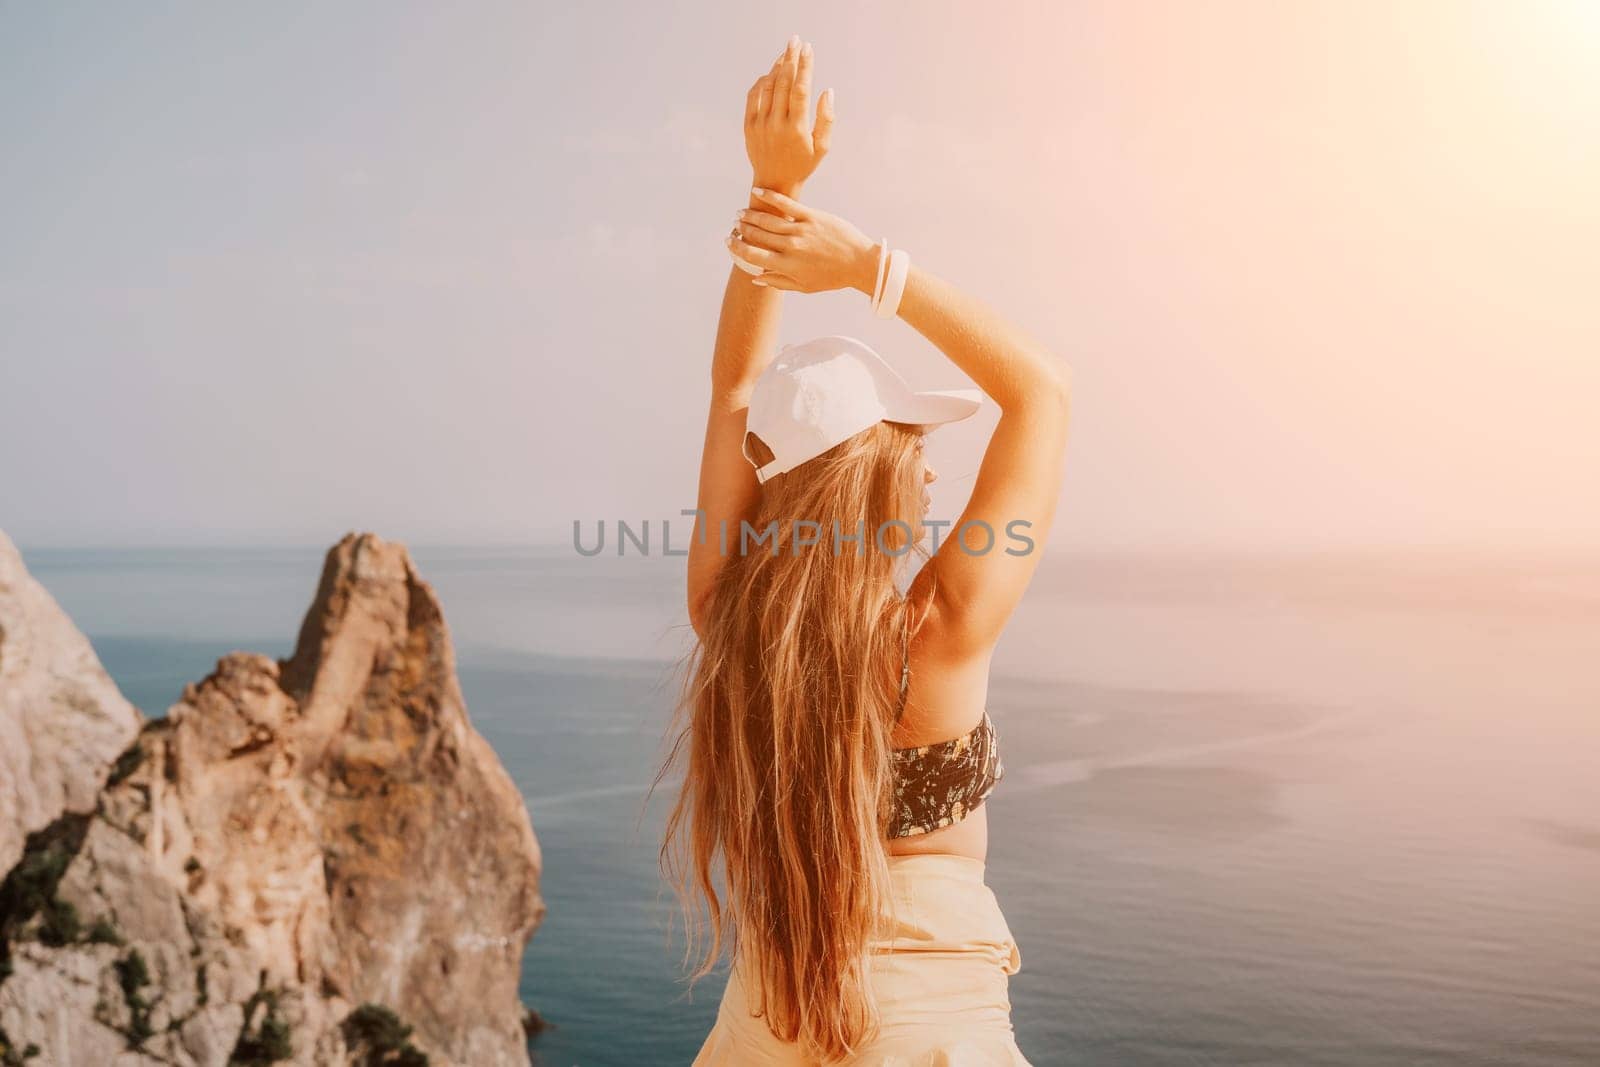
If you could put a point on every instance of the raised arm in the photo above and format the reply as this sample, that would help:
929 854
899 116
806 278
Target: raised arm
784 150
981 570
1020 476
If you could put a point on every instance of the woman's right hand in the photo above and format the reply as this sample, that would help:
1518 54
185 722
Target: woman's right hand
802 248
783 146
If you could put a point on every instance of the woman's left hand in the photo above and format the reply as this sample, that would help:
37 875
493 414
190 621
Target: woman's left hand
802 248
783 147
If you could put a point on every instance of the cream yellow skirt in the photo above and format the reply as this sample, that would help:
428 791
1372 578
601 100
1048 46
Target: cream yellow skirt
941 986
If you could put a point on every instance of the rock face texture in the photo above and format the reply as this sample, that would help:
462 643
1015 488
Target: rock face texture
62 721
302 859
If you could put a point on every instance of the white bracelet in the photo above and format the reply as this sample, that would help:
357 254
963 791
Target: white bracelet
894 284
877 286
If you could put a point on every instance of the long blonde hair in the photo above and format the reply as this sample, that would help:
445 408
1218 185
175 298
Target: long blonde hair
791 698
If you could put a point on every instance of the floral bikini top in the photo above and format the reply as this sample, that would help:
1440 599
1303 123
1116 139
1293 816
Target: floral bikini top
940 784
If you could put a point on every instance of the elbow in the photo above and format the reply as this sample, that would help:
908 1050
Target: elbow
1053 395
1054 406
1060 375
1061 388
1044 392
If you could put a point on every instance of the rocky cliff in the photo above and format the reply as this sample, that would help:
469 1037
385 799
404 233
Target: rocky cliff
301 860
62 721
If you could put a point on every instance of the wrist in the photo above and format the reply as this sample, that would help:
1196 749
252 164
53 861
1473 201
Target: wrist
864 268
786 188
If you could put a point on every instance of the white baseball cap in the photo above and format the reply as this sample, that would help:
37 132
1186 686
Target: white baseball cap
827 390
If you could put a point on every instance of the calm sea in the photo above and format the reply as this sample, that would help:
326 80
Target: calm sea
1338 809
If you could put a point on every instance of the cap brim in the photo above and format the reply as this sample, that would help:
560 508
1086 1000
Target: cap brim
934 407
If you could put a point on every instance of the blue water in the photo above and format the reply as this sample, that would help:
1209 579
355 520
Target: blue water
1258 810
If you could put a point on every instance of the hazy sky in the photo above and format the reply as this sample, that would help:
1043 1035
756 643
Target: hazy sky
1324 272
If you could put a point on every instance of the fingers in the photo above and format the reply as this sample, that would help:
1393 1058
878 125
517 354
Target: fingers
752 102
822 135
774 280
748 255
784 86
786 204
730 245
759 238
769 96
765 108
766 220
800 92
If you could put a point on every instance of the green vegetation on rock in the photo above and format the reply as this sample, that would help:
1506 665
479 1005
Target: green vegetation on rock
378 1038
